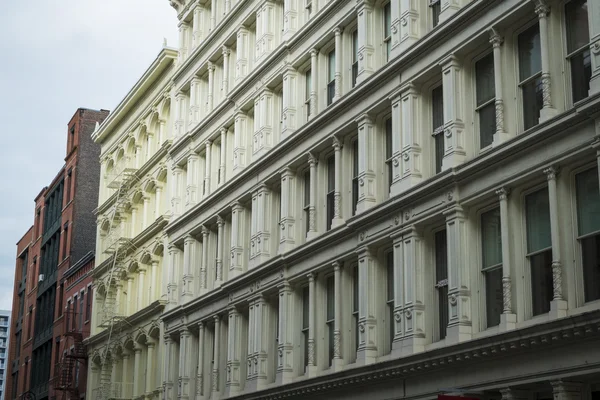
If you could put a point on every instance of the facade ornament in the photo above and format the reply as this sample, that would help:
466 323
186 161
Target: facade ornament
506 295
557 280
397 316
408 314
448 132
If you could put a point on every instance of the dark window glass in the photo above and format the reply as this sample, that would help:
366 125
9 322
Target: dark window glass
530 69
441 276
578 39
330 314
437 108
486 94
330 77
354 57
306 199
389 151
305 321
330 189
355 304
387 30
355 176
390 295
588 216
436 10
491 243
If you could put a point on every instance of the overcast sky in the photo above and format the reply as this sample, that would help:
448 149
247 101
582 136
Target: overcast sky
56 56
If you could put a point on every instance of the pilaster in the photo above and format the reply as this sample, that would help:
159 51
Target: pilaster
367 181
204 264
287 328
207 169
543 10
242 67
264 118
337 194
240 141
290 19
366 39
233 380
211 88
223 160
195 100
312 209
260 337
312 320
260 239
562 390
594 26
220 255
314 81
225 84
367 308
287 225
507 319
338 63
238 233
215 371
497 41
267 27
290 101
190 248
454 127
411 24
168 369
185 364
192 179
338 361
176 190
410 160
200 393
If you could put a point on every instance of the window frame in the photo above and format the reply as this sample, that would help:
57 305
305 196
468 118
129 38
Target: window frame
483 269
330 195
330 319
330 88
305 329
434 12
355 166
306 197
354 57
388 129
490 102
387 31
437 132
390 300
307 89
438 286
521 83
569 56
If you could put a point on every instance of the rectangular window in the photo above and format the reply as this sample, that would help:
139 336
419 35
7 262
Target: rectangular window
355 304
437 118
578 48
305 322
539 250
354 57
486 99
80 316
389 260
65 240
491 245
330 319
330 189
387 30
441 278
330 77
307 90
306 199
68 314
389 152
74 319
588 217
354 176
88 304
530 75
69 181
30 322
435 7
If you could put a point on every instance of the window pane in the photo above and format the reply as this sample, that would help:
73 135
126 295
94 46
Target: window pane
330 173
436 10
388 138
532 102
437 107
491 238
493 294
541 282
578 33
581 74
530 56
441 257
443 310
355 289
387 20
308 80
306 188
484 71
590 249
355 158
487 124
330 298
588 201
331 66
439 152
390 275
537 207
305 307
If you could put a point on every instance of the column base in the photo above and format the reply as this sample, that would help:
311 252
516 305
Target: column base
312 371
311 235
366 357
453 159
558 309
337 222
285 247
408 346
337 364
507 322
459 333
547 113
499 138
594 85
364 205
218 284
404 184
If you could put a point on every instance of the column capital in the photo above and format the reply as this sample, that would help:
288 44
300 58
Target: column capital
287 172
205 232
336 265
337 143
225 50
223 131
201 325
495 39
542 9
189 239
312 160
220 221
503 193
217 319
314 52
551 173
211 66
364 119
338 30
311 277
450 61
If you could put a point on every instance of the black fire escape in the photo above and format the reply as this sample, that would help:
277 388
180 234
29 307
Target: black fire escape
65 379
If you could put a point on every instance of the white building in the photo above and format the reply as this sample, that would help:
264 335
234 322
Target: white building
4 335
384 200
126 341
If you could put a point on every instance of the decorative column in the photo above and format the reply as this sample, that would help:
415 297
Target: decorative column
507 319
338 361
180 112
454 126
233 379
200 372
459 293
367 182
157 200
290 19
211 87
240 140
176 190
190 246
137 374
548 111
338 63
161 131
220 255
449 8
204 265
409 293
172 285
154 293
410 25
594 26
192 179
287 225
150 366
208 168
183 41
145 211
410 160
226 53
290 101
558 305
215 371
213 15
168 369
496 40
130 301
312 209
198 26
242 65
287 325
238 237
314 67
367 308
366 39
263 123
185 363
133 225
223 158
562 390
312 319
227 6
141 299
260 338
337 193
262 221
397 185
126 378
195 85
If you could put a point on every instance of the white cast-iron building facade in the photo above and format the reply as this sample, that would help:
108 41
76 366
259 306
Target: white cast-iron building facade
384 200
126 341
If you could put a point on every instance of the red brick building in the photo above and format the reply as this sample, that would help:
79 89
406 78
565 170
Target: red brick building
52 297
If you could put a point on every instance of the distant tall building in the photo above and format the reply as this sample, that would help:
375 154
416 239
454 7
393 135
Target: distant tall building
4 335
52 290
